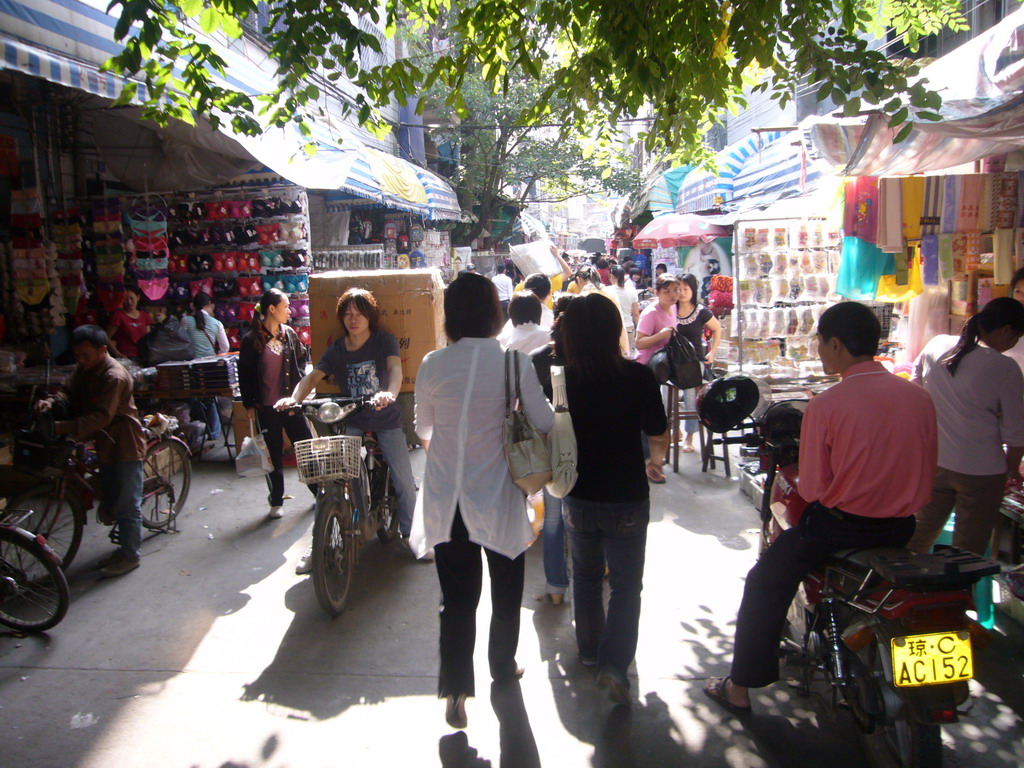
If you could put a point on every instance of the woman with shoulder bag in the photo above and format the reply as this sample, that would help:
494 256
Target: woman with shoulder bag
693 319
271 362
468 500
608 509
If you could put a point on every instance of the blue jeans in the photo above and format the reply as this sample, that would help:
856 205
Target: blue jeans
121 486
395 448
612 533
688 402
555 574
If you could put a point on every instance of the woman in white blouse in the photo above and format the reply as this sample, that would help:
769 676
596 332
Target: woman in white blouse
468 500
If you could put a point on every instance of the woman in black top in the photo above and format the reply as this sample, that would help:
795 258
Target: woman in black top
608 509
693 319
271 361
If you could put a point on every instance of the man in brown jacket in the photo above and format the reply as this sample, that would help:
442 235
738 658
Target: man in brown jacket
97 404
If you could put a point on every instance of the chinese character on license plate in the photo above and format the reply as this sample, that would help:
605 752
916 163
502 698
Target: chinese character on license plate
944 657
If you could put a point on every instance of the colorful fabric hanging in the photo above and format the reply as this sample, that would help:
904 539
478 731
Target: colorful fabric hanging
913 205
970 203
861 210
890 215
931 210
1005 202
946 271
951 191
930 259
860 269
986 204
905 283
1002 256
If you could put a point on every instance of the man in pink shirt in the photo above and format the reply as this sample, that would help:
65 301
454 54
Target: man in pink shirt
868 449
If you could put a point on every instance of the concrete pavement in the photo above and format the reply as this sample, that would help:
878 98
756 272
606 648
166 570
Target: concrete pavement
215 654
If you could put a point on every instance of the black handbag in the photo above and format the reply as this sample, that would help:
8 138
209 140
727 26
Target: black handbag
687 368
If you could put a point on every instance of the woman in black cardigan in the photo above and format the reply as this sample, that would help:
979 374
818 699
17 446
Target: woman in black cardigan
270 363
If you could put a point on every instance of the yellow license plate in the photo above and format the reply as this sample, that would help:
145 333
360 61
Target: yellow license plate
943 657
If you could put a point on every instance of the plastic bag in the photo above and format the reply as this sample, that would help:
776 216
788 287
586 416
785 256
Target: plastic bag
169 342
253 459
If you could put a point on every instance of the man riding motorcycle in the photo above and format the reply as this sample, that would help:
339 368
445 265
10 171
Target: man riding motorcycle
868 450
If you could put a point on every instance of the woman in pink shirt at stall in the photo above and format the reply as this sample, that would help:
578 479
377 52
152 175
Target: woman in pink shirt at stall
656 326
127 326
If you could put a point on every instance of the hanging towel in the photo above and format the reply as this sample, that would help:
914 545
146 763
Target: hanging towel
951 188
859 270
986 205
913 205
890 215
1018 248
931 211
946 271
861 208
1005 202
930 259
1002 256
970 203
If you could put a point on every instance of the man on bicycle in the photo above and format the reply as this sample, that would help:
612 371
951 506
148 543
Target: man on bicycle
366 361
97 404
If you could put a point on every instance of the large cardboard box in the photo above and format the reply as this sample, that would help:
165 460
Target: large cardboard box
412 310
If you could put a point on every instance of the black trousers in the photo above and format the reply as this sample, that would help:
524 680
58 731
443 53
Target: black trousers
460 573
273 424
772 583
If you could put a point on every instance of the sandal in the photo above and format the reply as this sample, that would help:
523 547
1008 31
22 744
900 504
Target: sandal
688 449
654 474
714 688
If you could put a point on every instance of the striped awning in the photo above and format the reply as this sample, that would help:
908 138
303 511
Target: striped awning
441 198
780 169
66 41
701 190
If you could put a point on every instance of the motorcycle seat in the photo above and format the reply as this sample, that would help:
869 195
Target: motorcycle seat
946 568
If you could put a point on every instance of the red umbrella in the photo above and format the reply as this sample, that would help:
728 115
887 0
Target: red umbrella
675 229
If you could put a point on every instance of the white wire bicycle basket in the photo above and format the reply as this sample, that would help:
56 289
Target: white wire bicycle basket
328 458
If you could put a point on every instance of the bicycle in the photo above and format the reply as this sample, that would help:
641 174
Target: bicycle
72 486
34 594
356 500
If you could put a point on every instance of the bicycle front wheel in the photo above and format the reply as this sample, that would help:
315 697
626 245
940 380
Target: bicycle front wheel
386 501
166 477
334 550
58 520
34 594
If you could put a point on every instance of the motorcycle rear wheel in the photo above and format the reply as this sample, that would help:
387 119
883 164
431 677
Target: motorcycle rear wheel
895 740
334 550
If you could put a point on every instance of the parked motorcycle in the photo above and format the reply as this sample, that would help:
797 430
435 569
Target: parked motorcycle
884 628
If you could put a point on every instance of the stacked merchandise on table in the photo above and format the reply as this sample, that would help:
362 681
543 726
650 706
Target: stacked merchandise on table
202 374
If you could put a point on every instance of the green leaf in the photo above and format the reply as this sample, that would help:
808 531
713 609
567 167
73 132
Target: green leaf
209 20
191 7
904 133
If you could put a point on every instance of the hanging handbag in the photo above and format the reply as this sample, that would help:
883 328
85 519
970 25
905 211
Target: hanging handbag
561 439
526 451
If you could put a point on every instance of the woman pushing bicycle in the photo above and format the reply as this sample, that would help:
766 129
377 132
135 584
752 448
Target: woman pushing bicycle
366 361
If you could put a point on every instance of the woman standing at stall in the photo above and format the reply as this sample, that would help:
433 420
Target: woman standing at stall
468 501
208 338
271 362
612 401
656 325
979 405
128 326
693 319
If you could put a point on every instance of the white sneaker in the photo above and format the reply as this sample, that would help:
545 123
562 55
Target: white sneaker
276 513
305 563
